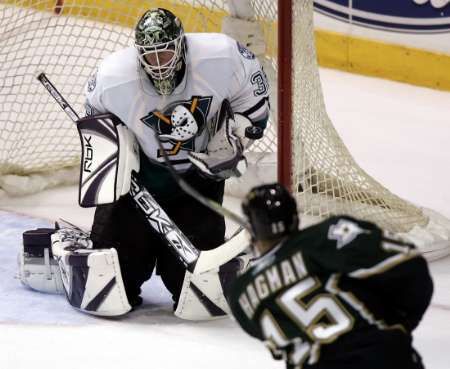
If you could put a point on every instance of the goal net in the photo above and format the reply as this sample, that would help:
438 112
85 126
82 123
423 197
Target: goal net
39 145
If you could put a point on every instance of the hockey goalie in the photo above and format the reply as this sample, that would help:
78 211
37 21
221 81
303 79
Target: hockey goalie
198 99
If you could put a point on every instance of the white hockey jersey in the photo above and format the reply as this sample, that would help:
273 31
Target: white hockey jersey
217 68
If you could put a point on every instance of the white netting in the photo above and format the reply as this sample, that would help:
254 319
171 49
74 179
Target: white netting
328 179
67 42
35 135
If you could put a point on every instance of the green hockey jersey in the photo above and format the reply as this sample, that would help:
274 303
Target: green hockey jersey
330 288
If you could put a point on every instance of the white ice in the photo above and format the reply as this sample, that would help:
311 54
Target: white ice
398 133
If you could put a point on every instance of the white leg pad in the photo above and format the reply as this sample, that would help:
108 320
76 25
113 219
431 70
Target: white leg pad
202 296
91 278
37 268
40 273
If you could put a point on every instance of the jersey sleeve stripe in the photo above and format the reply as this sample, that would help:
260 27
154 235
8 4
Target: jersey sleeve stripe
384 265
358 305
260 114
257 106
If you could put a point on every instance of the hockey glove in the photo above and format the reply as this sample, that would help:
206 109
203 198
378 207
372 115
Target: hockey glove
224 156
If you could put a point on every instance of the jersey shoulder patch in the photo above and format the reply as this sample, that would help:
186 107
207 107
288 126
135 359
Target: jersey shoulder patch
344 231
246 53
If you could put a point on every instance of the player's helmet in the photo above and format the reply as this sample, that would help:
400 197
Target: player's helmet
271 211
161 46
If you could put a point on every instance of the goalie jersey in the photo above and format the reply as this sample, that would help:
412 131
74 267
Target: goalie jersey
217 68
332 290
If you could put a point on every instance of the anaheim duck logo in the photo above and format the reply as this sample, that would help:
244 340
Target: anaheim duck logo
180 122
408 16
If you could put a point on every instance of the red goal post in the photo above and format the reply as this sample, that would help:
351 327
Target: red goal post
285 100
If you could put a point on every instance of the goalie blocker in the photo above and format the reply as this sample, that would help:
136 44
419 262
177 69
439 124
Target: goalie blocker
110 153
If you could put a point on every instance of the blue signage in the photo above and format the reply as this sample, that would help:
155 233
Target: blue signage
412 16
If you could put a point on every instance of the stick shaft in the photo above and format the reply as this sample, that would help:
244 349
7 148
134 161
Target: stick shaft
62 102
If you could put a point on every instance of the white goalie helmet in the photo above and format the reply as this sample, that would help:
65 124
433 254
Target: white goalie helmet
160 42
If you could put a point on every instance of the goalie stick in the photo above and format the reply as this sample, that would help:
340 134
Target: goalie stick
196 261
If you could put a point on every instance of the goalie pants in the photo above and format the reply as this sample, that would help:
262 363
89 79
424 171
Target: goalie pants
122 226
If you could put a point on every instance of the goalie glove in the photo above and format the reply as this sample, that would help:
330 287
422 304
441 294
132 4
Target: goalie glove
224 156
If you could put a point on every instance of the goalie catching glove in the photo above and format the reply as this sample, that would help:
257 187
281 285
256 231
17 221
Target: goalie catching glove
224 156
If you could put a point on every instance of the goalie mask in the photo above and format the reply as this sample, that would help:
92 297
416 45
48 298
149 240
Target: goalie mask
271 211
161 46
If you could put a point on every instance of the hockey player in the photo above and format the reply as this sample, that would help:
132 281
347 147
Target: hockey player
341 294
206 98
178 86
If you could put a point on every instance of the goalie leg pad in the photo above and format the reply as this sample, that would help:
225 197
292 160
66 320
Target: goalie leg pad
37 268
91 278
202 296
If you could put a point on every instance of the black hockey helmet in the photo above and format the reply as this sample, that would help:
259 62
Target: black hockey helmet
161 46
271 211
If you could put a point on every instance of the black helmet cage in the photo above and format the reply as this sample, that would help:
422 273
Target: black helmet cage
271 211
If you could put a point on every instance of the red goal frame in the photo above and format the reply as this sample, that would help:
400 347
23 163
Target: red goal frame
284 84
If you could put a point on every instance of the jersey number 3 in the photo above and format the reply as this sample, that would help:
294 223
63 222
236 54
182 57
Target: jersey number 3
259 80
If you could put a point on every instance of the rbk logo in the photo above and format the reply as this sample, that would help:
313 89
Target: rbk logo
180 122
88 154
